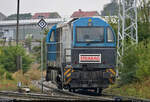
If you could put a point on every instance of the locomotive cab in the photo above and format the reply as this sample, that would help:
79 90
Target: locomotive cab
81 54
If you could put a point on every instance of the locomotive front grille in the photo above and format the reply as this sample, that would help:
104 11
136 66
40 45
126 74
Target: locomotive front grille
87 75
88 79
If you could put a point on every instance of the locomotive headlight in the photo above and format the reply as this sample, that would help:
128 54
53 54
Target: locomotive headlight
90 20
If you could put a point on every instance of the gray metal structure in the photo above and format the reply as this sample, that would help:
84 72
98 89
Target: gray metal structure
127 27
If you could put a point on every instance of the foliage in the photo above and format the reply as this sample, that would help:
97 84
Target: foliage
144 10
128 71
46 31
110 9
2 70
4 74
144 20
18 76
26 79
9 56
29 78
136 60
33 76
136 64
143 31
137 89
143 70
8 85
34 88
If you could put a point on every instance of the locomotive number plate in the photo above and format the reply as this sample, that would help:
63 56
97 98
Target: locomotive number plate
89 58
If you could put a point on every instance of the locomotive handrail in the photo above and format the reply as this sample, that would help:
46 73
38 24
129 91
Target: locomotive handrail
50 43
54 52
91 48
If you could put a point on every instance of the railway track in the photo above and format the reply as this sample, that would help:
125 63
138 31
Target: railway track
7 95
62 95
80 96
132 99
103 97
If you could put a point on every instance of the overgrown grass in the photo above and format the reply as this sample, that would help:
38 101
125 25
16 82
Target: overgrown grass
26 79
8 85
34 73
34 89
138 89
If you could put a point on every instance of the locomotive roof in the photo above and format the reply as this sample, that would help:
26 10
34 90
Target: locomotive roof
64 23
70 20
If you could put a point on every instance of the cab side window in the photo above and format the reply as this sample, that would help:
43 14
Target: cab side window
110 36
52 38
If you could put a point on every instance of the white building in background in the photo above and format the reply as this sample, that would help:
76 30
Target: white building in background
8 34
8 28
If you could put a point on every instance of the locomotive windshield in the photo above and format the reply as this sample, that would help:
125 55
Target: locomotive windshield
90 34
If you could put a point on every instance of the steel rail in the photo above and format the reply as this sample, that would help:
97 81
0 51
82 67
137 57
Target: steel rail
127 98
33 96
82 97
104 97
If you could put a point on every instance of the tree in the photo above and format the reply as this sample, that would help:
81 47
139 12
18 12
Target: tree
110 9
9 55
144 20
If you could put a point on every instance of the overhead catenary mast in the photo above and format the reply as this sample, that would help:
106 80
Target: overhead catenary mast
127 27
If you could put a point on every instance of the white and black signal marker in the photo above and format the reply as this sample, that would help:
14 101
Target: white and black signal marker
42 24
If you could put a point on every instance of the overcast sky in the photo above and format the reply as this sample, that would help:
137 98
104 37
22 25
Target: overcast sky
63 7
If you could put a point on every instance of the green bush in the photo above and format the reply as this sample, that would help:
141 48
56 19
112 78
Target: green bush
4 74
136 64
8 76
128 71
9 58
143 31
144 62
2 70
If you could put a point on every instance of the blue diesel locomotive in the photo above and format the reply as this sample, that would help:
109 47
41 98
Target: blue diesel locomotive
81 54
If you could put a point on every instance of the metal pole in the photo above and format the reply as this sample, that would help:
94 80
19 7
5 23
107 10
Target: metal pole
42 59
17 27
17 31
21 65
17 34
136 20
